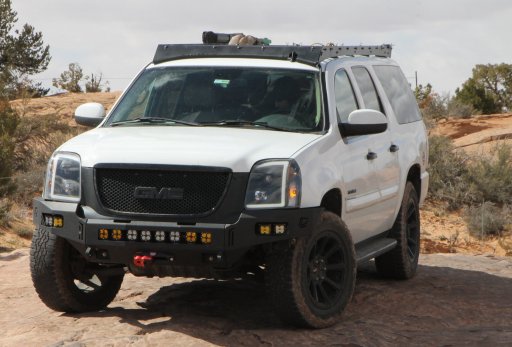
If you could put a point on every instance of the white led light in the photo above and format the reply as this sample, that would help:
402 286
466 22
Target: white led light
160 235
175 236
132 235
280 228
145 235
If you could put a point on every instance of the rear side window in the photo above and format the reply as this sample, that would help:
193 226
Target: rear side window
399 93
345 99
367 88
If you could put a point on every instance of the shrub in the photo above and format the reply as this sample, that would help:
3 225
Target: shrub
492 175
37 137
435 106
449 173
487 219
23 231
459 109
5 212
28 184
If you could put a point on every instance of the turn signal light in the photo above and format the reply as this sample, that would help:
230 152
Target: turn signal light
116 234
206 238
103 234
191 236
265 229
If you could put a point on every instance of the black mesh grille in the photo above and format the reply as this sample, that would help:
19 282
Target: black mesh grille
201 191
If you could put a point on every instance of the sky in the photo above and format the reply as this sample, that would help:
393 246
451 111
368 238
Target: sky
441 40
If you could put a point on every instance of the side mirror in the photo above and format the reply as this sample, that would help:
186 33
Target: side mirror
90 114
364 122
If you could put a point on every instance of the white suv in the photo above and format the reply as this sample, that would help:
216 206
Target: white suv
218 161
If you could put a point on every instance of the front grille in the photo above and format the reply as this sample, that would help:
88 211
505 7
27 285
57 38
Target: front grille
199 192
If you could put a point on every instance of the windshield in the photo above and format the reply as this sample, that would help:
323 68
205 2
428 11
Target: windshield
279 99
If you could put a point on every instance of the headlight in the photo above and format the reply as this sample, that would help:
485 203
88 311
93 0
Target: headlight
62 182
274 183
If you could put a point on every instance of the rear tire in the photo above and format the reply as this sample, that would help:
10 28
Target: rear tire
64 280
402 261
311 283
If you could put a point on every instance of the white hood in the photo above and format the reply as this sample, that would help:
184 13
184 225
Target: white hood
235 148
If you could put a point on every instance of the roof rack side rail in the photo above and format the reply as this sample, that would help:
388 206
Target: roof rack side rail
311 55
383 50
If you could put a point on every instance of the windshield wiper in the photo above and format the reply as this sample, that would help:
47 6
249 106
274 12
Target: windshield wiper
155 120
244 122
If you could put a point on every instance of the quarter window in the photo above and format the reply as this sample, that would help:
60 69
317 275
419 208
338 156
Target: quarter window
399 93
367 88
345 98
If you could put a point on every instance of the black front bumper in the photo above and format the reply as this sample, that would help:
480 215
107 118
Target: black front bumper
229 242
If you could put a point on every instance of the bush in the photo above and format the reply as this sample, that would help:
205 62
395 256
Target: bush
458 109
449 173
28 184
37 137
487 219
23 231
435 107
5 212
492 175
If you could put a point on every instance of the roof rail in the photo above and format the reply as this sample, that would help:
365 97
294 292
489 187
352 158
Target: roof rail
311 55
383 50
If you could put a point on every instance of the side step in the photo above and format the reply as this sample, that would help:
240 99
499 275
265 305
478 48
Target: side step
374 248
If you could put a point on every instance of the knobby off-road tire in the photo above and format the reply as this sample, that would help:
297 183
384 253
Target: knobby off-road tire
402 261
63 279
311 283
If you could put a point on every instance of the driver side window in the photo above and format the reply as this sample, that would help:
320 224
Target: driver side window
345 99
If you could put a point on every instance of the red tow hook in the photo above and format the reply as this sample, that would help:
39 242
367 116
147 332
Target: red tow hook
141 260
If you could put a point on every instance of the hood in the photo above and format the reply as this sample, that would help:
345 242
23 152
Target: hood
235 148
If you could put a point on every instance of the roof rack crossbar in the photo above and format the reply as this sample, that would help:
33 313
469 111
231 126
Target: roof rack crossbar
311 55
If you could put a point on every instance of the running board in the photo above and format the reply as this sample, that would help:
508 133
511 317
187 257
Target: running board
370 250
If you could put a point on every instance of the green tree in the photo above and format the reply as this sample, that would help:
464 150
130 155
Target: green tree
423 94
70 79
8 123
22 52
489 90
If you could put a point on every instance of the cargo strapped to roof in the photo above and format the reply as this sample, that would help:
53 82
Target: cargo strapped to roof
311 55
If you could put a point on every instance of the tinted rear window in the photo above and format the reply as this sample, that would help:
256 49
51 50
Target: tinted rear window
399 93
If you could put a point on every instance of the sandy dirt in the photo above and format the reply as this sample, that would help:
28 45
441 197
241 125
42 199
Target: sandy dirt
477 134
63 105
454 300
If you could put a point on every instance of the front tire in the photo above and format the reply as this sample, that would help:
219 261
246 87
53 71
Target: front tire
402 261
311 283
64 280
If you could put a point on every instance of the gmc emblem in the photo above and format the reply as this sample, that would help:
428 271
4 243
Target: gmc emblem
162 194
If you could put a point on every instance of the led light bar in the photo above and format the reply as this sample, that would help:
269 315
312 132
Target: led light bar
175 236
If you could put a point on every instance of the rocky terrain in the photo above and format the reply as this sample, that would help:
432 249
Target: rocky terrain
454 300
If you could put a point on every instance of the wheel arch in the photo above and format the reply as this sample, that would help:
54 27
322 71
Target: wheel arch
414 176
332 201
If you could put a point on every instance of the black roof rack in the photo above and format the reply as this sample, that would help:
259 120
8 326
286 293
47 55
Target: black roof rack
311 55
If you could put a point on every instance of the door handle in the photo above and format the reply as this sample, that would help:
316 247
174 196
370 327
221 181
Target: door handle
394 148
371 156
